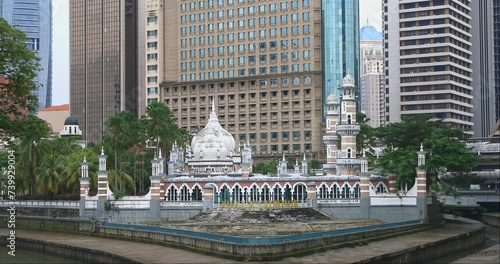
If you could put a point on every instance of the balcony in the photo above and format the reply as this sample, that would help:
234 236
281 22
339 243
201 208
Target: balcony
348 162
347 128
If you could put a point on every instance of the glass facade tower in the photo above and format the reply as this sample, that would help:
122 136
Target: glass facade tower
340 43
34 17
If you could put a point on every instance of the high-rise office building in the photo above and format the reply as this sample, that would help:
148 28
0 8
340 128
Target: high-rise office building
105 61
372 88
428 57
482 67
261 60
34 18
340 35
496 56
155 51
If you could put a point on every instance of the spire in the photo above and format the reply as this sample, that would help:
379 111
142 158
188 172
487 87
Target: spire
421 147
102 150
85 158
283 157
159 154
367 22
213 103
304 156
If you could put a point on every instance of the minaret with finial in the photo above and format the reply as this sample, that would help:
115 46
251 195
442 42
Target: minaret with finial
348 128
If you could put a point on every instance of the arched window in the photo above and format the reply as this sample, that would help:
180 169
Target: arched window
196 195
172 194
300 192
277 196
323 192
349 119
349 153
381 188
335 191
184 194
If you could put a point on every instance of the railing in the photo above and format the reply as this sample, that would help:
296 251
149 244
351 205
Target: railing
257 241
63 204
338 201
342 161
182 203
341 127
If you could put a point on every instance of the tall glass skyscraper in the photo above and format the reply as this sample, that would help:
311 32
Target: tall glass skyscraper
340 43
34 17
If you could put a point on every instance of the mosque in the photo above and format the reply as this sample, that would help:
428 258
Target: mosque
214 171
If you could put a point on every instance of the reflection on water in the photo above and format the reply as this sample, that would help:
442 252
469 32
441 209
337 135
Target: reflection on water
27 256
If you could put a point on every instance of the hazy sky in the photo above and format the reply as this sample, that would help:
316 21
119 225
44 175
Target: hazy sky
370 9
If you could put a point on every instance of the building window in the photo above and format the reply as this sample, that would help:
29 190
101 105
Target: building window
152 20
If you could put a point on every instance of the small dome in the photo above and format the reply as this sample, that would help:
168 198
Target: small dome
71 121
348 81
332 99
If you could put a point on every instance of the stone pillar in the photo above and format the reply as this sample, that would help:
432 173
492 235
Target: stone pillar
392 182
208 196
364 201
421 183
84 186
155 187
311 195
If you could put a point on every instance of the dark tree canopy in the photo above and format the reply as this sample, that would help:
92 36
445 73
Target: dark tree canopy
18 66
444 145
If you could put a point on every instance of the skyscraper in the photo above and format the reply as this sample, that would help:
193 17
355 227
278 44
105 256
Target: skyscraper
105 61
427 46
340 35
34 18
372 88
496 55
261 60
482 67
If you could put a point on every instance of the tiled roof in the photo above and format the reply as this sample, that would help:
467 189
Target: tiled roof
64 107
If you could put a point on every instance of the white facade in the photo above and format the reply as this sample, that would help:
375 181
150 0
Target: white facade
372 82
427 46
154 49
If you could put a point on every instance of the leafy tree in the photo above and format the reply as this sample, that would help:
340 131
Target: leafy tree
161 127
365 137
30 152
122 131
444 146
19 66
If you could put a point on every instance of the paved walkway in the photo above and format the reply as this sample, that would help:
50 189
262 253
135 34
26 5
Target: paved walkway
377 248
144 253
148 253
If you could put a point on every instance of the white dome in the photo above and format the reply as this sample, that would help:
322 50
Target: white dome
348 81
212 138
332 99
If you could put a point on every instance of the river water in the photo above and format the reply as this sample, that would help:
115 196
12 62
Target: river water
28 256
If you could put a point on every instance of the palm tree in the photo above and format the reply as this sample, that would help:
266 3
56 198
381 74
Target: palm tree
122 131
31 132
69 181
49 174
160 126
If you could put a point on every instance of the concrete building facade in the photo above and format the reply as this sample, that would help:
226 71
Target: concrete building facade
261 60
428 60
482 67
34 18
105 62
372 86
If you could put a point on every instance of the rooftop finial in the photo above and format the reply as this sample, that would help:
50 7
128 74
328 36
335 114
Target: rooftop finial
367 22
102 150
421 147
283 157
304 156
213 103
85 158
159 154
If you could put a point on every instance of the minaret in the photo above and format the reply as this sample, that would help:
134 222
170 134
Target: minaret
348 128
84 179
102 177
330 138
